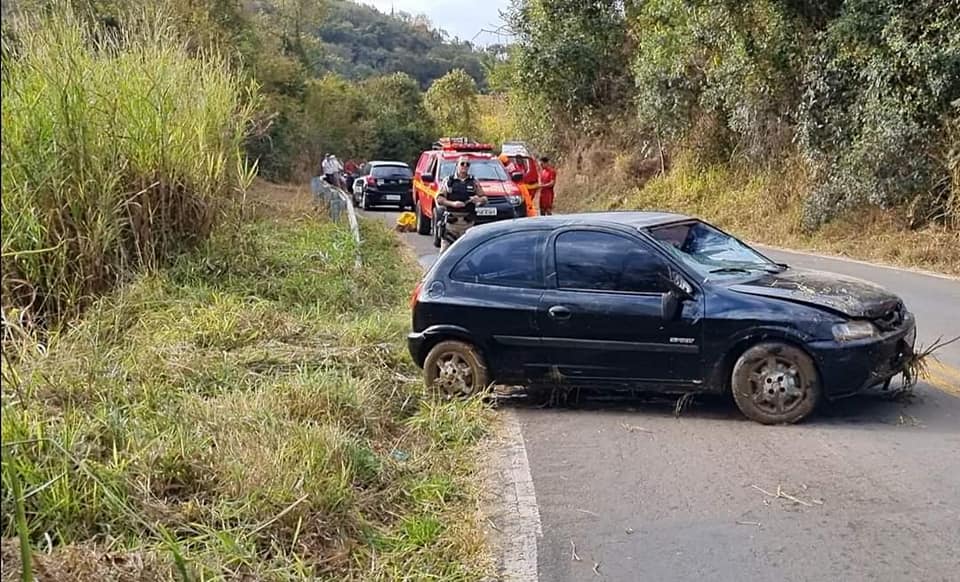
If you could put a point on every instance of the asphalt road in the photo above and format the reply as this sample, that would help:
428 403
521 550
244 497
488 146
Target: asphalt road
868 489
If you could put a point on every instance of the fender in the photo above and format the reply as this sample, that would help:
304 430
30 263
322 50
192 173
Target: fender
739 342
428 191
426 339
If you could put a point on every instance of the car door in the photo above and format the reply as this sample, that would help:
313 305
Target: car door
494 292
419 186
601 315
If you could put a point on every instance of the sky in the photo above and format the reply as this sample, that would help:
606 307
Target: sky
462 18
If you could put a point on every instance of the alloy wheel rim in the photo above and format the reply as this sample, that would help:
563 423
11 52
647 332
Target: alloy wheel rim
777 386
455 375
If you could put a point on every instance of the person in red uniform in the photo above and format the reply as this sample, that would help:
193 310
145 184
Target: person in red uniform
515 165
548 179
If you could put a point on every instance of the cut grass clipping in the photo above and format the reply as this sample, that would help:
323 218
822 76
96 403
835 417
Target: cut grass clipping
249 413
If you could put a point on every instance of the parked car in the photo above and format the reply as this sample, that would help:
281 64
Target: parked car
656 302
504 200
383 183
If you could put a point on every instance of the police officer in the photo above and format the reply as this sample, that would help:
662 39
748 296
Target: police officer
459 195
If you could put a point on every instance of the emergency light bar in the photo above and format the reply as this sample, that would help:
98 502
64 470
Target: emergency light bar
461 144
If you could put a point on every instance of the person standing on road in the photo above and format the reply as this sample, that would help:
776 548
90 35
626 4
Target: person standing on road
513 166
548 179
459 195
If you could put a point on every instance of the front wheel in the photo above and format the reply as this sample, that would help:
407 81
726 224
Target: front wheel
435 230
775 383
423 223
455 369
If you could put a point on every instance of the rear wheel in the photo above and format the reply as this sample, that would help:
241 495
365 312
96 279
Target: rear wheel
455 369
423 222
775 383
366 201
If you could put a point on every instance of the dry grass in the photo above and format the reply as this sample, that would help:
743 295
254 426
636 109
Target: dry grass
765 207
249 413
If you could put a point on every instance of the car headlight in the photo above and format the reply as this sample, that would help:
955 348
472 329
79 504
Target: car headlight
854 330
514 200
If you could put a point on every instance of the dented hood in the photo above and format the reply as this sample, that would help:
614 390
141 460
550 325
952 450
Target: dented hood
847 295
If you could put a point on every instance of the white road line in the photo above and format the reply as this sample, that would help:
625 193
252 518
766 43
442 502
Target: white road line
521 520
910 270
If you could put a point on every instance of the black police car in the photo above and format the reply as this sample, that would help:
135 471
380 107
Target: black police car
651 301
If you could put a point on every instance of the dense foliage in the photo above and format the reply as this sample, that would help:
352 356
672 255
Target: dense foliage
863 91
452 101
319 65
357 42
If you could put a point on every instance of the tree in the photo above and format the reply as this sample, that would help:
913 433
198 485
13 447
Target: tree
452 102
402 126
571 55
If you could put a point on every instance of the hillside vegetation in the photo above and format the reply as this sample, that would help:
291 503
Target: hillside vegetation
248 413
842 117
359 42
196 386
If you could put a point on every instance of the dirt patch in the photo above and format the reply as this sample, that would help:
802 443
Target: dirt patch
84 563
269 200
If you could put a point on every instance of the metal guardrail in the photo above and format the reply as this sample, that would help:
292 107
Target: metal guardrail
337 202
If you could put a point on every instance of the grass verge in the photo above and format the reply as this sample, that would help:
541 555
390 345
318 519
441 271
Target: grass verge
765 206
248 413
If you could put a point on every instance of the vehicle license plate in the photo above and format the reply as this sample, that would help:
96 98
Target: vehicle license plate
393 197
486 211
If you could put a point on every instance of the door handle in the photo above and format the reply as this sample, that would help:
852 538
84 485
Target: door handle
559 312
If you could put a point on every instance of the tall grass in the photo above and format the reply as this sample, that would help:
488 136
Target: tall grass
249 413
119 150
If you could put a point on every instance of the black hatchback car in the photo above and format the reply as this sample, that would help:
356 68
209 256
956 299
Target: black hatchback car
383 183
651 302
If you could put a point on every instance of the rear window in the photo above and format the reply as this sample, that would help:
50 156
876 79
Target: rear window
511 260
391 172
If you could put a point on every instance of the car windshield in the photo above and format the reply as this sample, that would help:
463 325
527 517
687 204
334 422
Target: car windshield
709 252
391 172
491 170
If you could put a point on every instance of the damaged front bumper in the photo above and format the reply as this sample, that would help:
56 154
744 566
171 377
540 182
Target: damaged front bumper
847 368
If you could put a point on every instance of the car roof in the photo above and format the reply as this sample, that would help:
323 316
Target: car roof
631 219
388 163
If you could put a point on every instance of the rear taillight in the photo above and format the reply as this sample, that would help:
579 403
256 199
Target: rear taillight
371 180
416 295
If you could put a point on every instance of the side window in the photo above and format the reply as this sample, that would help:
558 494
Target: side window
511 260
599 261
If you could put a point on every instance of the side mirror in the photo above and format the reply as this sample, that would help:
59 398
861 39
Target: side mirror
670 306
516 176
427 178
